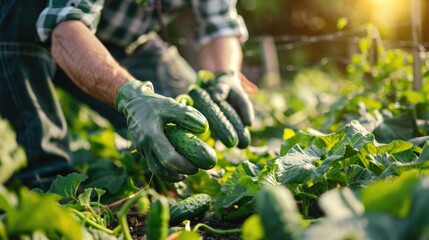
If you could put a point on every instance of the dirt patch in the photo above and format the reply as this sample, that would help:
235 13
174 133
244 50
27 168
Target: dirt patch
137 225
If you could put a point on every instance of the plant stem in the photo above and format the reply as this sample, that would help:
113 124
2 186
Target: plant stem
126 198
305 205
313 221
122 215
325 182
218 231
124 226
117 229
92 223
309 195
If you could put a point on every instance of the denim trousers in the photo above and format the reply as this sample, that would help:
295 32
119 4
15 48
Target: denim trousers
29 76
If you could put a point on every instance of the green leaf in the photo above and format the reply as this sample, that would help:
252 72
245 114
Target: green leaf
417 226
203 183
353 176
342 23
418 141
340 204
395 146
406 156
268 176
237 193
107 175
67 186
232 191
337 151
365 45
252 185
297 166
358 135
424 155
391 197
398 168
241 210
38 213
103 144
3 233
395 128
358 177
279 213
301 137
85 197
185 235
7 200
12 157
368 226
379 162
252 228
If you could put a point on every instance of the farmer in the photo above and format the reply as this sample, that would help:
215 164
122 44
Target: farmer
108 55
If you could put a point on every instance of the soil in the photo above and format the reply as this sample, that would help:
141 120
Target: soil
137 225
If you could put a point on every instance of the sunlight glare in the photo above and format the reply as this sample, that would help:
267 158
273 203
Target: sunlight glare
389 11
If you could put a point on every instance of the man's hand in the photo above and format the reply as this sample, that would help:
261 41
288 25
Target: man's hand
223 56
147 113
228 87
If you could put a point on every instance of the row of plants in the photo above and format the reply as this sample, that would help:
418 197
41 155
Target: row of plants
331 158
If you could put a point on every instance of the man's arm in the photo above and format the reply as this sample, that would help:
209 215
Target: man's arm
87 62
224 54
221 54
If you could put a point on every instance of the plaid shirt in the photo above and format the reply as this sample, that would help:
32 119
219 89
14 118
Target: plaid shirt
122 21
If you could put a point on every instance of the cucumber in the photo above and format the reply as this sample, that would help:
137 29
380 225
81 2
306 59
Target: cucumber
243 133
279 213
189 208
158 219
191 147
220 127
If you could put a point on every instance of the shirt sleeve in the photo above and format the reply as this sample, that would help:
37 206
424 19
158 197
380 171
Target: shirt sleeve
87 11
217 18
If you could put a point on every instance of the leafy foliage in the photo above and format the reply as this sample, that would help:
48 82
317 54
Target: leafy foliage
12 157
351 155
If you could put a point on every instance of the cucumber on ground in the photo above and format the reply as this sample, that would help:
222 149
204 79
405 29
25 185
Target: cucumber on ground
191 147
220 126
189 208
158 219
243 133
279 213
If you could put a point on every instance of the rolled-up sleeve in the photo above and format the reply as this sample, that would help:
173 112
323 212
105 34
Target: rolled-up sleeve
87 11
217 18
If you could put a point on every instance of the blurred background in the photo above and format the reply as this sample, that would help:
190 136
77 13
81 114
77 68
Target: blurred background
292 24
312 33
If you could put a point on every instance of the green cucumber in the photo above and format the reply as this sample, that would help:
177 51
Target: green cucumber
158 219
189 208
191 147
279 213
243 133
220 127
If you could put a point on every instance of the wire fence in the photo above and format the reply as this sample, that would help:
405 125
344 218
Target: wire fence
284 43
292 42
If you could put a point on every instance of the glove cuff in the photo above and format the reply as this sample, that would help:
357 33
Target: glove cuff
131 89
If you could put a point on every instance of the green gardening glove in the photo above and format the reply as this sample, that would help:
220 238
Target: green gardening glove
147 113
228 87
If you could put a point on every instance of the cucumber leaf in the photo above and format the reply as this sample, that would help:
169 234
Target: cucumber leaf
12 156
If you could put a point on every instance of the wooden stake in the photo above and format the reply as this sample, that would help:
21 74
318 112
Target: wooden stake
416 19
